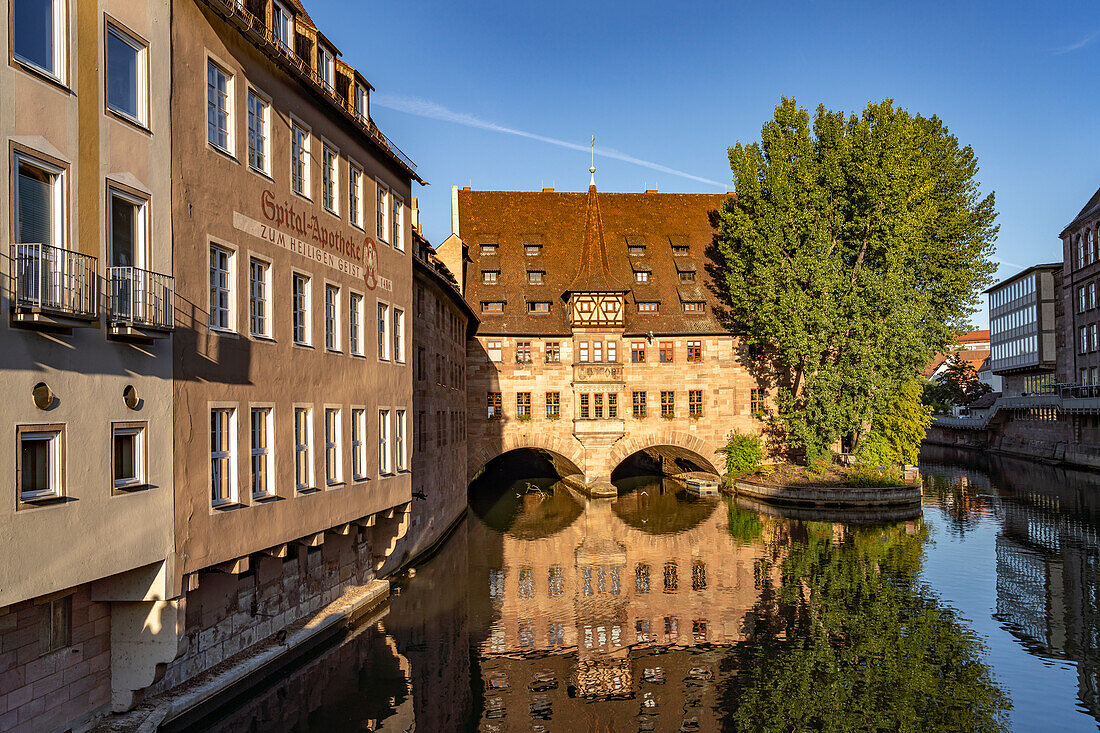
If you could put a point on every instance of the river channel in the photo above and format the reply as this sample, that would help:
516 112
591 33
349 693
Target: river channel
662 612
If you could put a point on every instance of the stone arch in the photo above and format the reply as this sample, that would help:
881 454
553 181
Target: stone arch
705 453
566 454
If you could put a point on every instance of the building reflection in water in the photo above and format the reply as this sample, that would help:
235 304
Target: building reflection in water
1048 552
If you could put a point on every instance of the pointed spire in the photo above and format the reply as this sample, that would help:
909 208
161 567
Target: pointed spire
594 275
592 167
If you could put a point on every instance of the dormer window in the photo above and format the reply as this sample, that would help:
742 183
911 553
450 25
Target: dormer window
650 306
687 277
536 277
680 250
641 276
636 250
692 306
532 250
488 249
490 277
326 66
492 306
282 25
360 101
538 306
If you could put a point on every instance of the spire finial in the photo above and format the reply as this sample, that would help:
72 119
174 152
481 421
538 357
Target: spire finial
592 167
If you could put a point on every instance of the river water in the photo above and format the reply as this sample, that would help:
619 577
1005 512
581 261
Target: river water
657 611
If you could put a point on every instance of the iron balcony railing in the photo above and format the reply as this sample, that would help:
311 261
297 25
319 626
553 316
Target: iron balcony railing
140 298
48 278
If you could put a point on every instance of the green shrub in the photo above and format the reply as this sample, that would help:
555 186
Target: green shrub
865 476
744 451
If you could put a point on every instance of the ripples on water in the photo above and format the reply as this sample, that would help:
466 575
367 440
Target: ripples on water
659 611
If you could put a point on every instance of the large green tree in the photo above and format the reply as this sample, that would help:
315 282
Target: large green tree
854 250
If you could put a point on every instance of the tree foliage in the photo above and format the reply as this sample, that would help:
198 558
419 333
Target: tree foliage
846 637
897 426
959 384
854 250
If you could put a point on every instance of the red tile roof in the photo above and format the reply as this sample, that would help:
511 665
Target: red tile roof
569 226
971 337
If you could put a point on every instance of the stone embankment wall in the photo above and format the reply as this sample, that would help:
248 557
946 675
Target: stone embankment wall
1042 440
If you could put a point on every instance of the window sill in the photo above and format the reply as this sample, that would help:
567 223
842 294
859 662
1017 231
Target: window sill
265 498
261 173
301 195
128 120
335 484
358 356
221 331
262 337
361 479
226 505
40 73
330 350
221 151
40 501
131 487
303 491
299 345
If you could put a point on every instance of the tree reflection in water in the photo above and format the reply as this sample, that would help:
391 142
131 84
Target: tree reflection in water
845 637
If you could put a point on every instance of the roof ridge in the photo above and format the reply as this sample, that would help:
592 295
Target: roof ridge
594 274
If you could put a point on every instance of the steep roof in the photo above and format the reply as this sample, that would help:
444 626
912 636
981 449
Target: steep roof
594 276
972 337
569 227
1090 208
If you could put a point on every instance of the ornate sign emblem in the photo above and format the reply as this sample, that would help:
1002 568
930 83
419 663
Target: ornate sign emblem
370 264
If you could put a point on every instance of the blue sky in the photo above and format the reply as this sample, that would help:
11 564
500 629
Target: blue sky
673 85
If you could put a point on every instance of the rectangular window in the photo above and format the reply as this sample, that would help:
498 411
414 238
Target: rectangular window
220 294
639 404
355 324
263 460
329 176
1092 295
679 250
358 444
523 405
489 277
399 335
613 406
355 196
332 318
637 352
325 64
695 350
648 307
585 408
223 438
694 307
39 203
665 354
385 465
756 402
687 277
300 295
532 250
125 75
493 405
383 213
668 403
641 276
695 402
1082 302
218 107
1084 339
398 224
399 440
303 448
494 306
258 285
636 250
535 277
582 351
282 25
360 102
128 456
488 249
383 331
641 578
1094 342
299 159
553 352
334 462
259 115
538 306
41 459
553 405
523 352
597 351
38 34
494 350
55 625
672 584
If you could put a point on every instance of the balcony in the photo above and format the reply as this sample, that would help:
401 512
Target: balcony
53 288
141 303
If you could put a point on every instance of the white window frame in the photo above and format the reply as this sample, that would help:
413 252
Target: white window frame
305 309
334 450
383 199
333 341
330 178
355 323
55 456
383 325
264 300
139 479
60 42
263 133
360 101
229 456
282 25
230 309
303 448
355 194
398 335
358 443
398 217
229 147
141 240
400 442
141 83
58 235
385 456
326 66
303 158
265 455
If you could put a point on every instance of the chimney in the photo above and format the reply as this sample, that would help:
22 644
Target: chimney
414 212
548 190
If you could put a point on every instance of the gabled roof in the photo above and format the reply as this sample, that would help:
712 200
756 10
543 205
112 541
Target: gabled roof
1093 206
563 224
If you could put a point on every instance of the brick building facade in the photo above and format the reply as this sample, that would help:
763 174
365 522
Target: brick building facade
599 333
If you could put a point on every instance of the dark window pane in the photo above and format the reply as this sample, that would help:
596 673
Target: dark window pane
122 76
32 35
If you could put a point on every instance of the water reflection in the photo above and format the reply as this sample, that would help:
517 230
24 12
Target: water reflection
657 611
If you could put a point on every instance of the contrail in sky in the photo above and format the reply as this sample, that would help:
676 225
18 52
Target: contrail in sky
1079 45
431 110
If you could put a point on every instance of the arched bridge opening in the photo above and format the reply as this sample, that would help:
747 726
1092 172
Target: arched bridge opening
521 493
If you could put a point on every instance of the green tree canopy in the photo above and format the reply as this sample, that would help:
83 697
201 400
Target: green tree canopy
854 250
958 385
